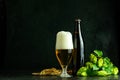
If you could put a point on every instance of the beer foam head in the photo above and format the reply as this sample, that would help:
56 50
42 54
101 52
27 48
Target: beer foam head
64 40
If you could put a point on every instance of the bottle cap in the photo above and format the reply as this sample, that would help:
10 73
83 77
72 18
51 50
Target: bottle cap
78 20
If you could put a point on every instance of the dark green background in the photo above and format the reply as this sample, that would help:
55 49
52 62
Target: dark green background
31 26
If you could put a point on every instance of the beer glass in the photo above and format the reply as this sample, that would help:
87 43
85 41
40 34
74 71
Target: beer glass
64 51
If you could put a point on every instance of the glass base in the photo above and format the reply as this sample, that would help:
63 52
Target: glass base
64 71
65 75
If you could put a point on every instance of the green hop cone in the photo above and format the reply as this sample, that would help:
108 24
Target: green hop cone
102 73
82 71
89 65
93 58
100 62
84 74
115 70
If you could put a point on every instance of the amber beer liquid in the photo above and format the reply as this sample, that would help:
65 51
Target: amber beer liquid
64 56
78 55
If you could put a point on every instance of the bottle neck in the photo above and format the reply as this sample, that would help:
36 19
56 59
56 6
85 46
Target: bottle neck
77 26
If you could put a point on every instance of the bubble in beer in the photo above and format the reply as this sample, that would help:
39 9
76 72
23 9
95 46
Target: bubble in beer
64 40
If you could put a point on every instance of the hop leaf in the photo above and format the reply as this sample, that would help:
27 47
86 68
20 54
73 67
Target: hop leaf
98 53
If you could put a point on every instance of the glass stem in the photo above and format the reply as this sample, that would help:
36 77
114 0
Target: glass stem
64 69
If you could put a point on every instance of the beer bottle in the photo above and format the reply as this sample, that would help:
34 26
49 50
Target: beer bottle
78 55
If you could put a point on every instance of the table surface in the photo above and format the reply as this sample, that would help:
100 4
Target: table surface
31 77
